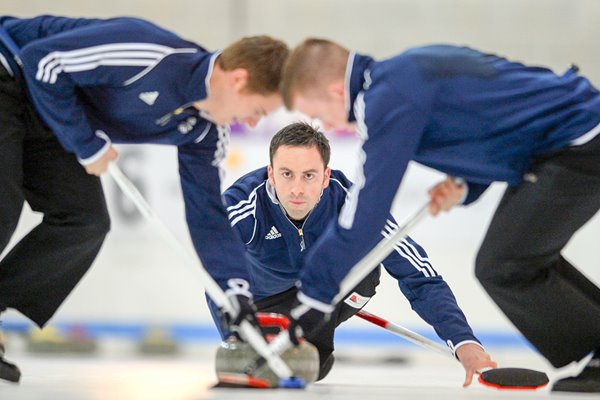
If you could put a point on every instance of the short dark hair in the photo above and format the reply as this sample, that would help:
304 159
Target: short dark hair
262 56
303 135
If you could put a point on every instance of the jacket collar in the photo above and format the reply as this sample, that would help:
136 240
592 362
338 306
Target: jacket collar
271 192
199 84
354 80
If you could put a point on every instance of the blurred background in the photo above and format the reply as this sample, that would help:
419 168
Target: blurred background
137 282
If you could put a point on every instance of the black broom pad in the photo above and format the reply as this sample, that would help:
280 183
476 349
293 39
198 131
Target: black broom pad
9 372
513 378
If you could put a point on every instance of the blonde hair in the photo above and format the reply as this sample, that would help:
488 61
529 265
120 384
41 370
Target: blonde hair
312 64
262 56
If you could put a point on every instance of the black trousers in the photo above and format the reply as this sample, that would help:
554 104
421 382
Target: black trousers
322 338
520 263
42 269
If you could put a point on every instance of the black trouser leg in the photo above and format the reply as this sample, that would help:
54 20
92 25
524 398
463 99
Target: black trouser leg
520 263
12 128
322 338
12 136
44 267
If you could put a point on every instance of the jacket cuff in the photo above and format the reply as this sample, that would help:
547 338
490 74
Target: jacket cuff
455 347
104 141
465 187
238 286
316 304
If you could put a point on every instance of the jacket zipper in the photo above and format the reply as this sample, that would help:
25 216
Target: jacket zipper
162 121
302 244
300 230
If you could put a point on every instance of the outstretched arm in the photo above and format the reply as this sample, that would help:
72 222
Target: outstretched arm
432 299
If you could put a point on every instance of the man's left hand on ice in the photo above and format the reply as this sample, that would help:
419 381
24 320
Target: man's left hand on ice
473 358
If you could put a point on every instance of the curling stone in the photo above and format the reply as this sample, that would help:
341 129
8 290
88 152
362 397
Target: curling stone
158 341
234 357
54 340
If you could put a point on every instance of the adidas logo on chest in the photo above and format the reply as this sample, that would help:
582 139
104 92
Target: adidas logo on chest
149 97
273 234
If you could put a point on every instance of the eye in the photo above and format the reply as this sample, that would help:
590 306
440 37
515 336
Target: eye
309 176
286 174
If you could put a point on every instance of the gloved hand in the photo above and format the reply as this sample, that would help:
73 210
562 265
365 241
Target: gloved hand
243 308
305 321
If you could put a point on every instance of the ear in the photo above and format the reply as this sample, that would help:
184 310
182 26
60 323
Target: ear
326 177
238 78
271 175
337 89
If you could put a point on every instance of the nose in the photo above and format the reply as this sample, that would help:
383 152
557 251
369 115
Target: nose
327 125
251 121
297 190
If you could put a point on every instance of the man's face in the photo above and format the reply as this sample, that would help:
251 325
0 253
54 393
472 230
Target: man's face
329 108
238 106
298 176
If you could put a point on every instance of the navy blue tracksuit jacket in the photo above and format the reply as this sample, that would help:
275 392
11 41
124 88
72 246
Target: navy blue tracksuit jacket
469 114
276 249
126 80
